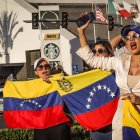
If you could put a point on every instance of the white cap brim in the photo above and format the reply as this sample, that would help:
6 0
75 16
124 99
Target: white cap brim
37 61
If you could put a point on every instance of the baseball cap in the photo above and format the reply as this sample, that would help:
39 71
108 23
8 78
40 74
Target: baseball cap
37 61
126 29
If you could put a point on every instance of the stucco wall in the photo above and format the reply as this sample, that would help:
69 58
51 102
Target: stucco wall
27 39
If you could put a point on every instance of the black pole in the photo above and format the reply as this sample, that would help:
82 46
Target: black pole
71 20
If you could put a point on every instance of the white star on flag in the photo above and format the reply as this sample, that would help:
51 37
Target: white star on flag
89 99
91 93
94 89
108 90
112 94
88 106
104 87
99 87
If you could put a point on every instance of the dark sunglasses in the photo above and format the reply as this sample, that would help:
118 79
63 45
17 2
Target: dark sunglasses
100 51
134 36
41 67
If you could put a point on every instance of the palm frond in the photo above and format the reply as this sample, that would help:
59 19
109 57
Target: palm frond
0 23
8 21
7 24
13 23
19 30
4 27
12 27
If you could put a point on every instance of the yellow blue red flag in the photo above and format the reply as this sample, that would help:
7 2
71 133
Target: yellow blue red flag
32 104
92 97
131 121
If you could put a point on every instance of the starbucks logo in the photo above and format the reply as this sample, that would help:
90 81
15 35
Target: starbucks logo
51 51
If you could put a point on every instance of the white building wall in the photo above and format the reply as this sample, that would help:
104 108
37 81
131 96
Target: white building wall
66 55
30 39
3 6
26 40
69 45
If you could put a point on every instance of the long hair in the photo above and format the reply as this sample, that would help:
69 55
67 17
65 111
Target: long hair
106 45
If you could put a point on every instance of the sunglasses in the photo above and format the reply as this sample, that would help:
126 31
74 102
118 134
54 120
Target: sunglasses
100 51
41 67
134 36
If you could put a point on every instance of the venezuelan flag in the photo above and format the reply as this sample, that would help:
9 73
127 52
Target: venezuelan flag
92 97
32 104
131 122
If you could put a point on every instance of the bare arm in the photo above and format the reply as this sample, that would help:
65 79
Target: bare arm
82 36
115 41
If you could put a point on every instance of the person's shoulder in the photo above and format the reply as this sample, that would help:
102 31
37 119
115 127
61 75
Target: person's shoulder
124 56
121 51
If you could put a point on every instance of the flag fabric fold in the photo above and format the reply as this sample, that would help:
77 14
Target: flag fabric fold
127 6
133 10
32 104
131 122
111 7
123 12
92 97
99 15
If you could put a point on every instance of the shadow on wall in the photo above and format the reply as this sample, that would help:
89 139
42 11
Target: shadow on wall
8 22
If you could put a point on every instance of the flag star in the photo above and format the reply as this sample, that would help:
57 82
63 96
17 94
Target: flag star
104 87
29 100
91 93
108 90
112 94
33 101
21 104
99 87
36 103
39 105
88 106
94 89
89 99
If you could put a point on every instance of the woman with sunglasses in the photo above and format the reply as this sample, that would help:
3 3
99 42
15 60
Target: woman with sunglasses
60 131
126 67
101 48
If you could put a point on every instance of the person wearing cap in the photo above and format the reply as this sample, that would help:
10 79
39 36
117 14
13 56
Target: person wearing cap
126 67
60 131
118 41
